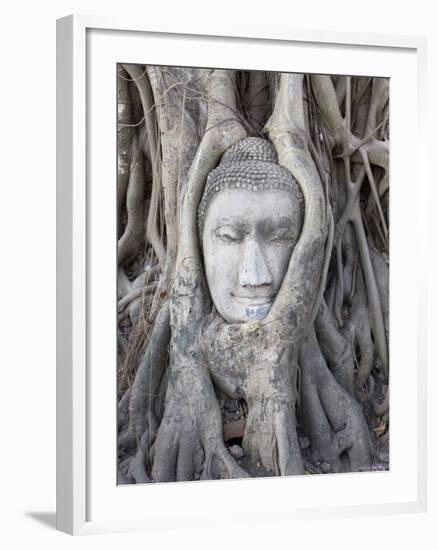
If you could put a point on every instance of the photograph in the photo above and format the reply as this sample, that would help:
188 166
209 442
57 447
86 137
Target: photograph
220 275
252 273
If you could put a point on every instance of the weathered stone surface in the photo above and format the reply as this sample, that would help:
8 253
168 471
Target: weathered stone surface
251 218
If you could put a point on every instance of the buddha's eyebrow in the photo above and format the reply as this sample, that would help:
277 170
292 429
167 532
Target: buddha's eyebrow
231 220
279 221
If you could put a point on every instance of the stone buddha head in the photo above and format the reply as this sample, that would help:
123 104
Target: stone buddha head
249 221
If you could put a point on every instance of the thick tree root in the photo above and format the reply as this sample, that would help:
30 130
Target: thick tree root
333 420
361 331
252 361
148 378
336 348
133 237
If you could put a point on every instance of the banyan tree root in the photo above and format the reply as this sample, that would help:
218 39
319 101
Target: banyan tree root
254 362
371 151
331 417
336 347
170 143
124 136
133 237
148 378
189 443
361 332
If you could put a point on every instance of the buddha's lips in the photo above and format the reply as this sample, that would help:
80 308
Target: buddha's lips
254 300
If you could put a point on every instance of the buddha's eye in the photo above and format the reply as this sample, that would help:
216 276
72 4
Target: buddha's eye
228 234
281 234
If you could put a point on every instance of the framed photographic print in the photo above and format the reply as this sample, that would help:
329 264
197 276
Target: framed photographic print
236 319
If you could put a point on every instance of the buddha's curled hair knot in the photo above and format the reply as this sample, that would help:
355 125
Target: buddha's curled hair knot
251 148
250 164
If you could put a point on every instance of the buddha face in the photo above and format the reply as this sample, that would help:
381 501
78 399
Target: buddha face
247 243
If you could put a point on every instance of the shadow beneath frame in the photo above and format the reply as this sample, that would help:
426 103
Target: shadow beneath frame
45 518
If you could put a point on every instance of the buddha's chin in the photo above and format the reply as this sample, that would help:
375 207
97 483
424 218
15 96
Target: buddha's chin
240 313
255 312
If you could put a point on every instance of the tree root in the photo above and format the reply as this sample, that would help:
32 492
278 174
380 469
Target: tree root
139 76
133 237
137 466
124 133
336 347
148 378
189 442
333 420
361 332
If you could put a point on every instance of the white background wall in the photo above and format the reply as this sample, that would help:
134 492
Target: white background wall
27 376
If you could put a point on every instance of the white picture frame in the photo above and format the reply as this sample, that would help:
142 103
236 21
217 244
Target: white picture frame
89 502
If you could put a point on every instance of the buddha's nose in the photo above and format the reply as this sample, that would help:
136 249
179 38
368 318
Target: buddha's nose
254 270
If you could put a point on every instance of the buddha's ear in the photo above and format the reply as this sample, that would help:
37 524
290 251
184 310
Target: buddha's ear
301 291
